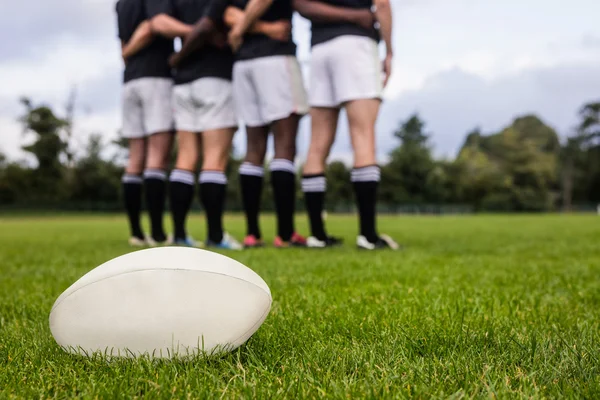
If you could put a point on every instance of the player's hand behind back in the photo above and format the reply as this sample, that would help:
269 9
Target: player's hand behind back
279 30
365 19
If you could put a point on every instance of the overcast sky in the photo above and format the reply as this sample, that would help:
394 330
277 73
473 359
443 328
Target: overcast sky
459 63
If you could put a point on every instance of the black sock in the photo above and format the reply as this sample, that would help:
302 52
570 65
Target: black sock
212 194
132 194
366 181
251 182
181 187
283 180
314 187
155 183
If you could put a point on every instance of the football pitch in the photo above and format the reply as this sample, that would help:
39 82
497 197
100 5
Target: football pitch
474 307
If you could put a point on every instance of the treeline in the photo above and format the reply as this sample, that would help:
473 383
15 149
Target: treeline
524 167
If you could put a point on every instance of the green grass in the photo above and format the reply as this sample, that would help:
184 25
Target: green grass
475 307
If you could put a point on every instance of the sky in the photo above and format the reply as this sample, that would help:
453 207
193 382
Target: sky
460 64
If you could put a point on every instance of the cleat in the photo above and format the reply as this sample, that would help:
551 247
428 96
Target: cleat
382 242
279 243
137 242
153 243
251 241
187 242
228 243
330 241
296 241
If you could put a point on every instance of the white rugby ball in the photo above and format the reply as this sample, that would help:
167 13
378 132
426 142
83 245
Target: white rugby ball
163 302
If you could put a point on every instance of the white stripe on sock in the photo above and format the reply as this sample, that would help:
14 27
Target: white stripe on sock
155 174
366 174
315 184
213 177
252 170
281 164
182 176
129 178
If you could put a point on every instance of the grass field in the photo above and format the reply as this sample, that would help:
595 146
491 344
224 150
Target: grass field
482 307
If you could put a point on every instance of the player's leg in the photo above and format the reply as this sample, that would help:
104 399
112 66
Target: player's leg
323 126
155 178
251 182
362 115
359 87
182 181
251 171
282 100
218 122
158 121
133 130
324 118
213 185
283 178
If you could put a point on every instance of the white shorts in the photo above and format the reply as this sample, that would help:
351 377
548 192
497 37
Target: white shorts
147 107
344 69
204 104
268 89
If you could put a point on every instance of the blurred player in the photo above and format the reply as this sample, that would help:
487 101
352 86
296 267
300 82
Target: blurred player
269 95
204 112
346 73
147 116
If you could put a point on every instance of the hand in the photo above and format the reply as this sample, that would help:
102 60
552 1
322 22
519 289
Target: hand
387 69
236 37
218 40
174 60
365 19
279 30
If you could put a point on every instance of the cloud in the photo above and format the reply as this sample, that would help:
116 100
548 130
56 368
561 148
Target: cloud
45 21
455 101
590 41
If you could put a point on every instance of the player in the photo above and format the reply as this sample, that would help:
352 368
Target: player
269 96
204 110
346 73
147 117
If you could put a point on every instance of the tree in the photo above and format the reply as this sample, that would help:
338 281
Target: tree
404 178
96 182
339 188
48 146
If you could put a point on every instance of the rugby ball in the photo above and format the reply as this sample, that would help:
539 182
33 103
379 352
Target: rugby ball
162 302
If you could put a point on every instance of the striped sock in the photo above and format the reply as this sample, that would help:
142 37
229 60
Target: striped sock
212 194
132 196
181 187
155 185
251 182
314 187
366 181
283 179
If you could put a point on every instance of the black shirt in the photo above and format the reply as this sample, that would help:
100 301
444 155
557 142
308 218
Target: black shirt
322 32
151 61
258 45
208 61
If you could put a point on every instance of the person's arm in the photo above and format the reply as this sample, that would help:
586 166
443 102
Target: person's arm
198 36
161 14
254 10
278 30
170 27
141 38
383 14
204 30
317 11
